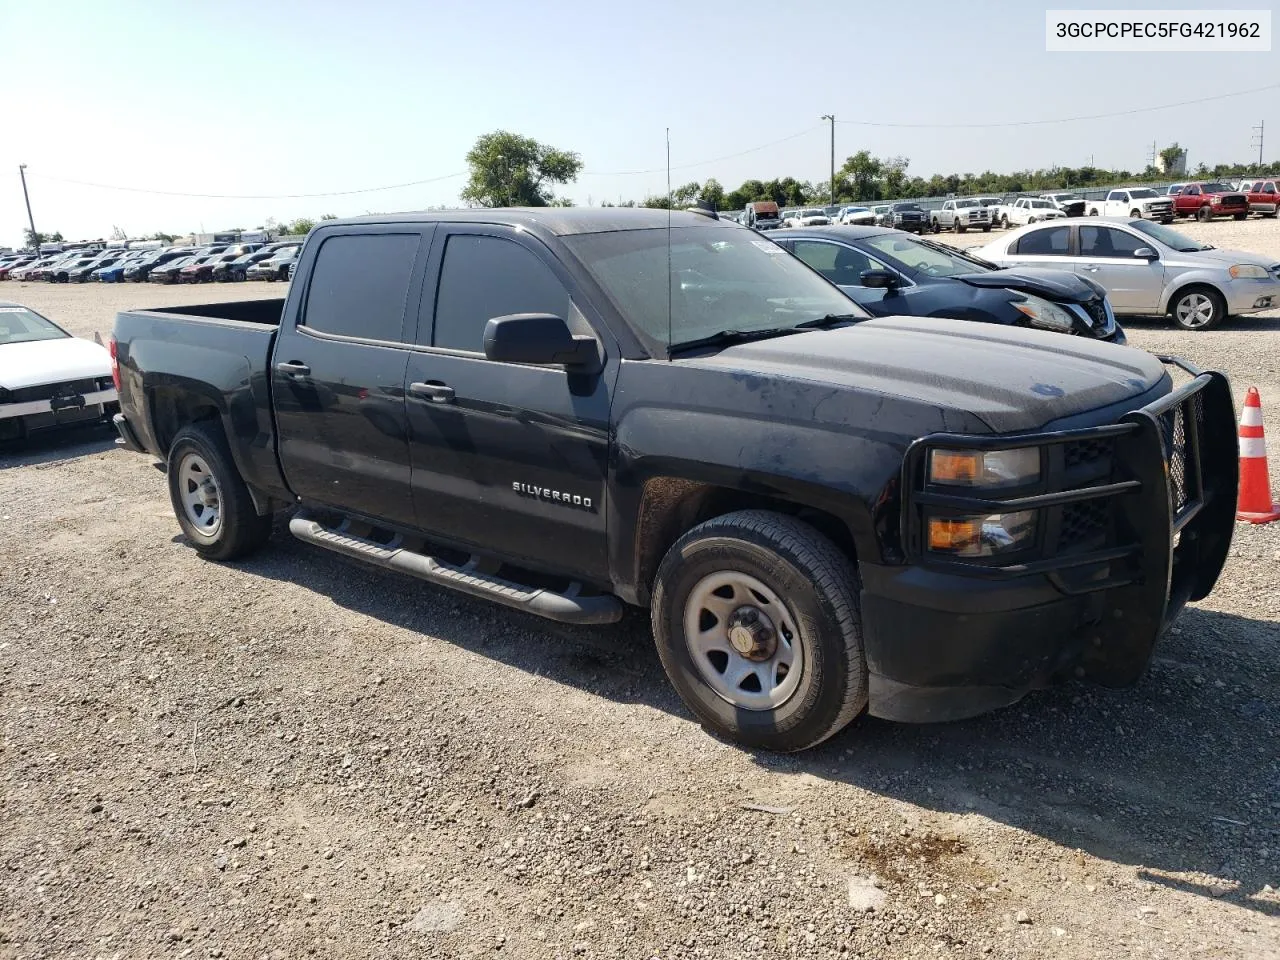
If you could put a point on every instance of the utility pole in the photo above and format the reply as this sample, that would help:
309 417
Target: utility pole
832 118
1258 137
35 237
1154 154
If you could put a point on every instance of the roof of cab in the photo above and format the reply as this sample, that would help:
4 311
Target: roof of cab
557 221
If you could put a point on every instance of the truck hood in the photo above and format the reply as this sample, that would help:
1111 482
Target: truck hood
1054 284
1012 378
51 361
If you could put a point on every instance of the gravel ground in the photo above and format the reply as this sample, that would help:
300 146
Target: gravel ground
300 756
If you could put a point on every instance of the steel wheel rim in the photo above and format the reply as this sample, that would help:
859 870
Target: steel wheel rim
1195 310
709 610
200 494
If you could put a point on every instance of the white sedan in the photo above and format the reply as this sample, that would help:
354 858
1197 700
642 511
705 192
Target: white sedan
49 378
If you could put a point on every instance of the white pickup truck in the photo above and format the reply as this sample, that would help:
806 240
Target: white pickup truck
1026 210
1138 202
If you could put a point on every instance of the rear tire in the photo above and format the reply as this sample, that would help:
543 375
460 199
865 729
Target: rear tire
777 586
210 499
1004 221
1198 308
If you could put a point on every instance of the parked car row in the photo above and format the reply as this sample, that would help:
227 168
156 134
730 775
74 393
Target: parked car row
221 262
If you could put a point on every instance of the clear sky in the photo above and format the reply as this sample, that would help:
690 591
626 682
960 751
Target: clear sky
291 97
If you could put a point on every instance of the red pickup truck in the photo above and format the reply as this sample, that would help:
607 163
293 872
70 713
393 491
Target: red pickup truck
1262 196
1204 201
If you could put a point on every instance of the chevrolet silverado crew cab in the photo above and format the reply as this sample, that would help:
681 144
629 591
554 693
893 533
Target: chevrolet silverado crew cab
568 411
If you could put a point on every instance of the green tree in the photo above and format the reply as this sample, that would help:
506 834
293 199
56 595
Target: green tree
328 216
863 172
510 170
713 194
894 172
1170 154
302 225
34 240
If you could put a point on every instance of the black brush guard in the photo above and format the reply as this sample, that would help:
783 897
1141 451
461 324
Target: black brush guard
1168 496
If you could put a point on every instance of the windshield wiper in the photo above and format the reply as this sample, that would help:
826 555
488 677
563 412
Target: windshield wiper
723 338
830 320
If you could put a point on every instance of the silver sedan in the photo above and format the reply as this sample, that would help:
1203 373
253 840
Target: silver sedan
1147 269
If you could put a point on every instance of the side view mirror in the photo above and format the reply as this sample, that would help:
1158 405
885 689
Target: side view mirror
1146 253
539 338
878 278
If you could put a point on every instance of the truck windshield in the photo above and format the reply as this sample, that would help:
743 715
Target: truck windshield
1217 188
20 325
721 279
1144 193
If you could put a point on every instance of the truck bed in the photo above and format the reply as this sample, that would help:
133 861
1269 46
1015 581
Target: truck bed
179 364
263 312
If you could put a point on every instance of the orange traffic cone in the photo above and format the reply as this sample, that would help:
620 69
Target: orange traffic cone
1255 504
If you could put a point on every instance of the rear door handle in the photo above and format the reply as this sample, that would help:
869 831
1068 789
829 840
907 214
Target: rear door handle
294 368
433 390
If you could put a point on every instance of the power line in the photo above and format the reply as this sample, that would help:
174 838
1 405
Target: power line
699 163
244 196
1034 123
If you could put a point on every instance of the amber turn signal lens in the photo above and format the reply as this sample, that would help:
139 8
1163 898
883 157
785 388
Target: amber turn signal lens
953 536
955 466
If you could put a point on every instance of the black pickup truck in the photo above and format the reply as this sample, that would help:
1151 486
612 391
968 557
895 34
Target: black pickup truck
566 411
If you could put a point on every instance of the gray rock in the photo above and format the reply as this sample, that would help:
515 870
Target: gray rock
441 917
865 896
1021 917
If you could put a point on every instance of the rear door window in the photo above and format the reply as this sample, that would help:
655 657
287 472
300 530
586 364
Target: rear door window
1049 242
360 284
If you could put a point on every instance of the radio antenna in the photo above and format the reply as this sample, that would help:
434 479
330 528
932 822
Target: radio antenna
670 276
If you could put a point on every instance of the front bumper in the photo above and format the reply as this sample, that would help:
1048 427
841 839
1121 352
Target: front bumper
1251 296
1120 555
33 408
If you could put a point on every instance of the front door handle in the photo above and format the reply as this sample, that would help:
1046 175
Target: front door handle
433 390
1091 269
293 368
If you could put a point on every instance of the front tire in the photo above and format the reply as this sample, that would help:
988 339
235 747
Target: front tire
756 621
210 499
1198 309
1204 214
1241 216
1135 213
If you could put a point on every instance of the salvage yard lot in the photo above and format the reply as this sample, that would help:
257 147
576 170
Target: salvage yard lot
298 756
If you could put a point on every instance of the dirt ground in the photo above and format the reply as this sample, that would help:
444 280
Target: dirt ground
299 756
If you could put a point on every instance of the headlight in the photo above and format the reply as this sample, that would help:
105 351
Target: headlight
1247 271
1043 314
991 468
982 536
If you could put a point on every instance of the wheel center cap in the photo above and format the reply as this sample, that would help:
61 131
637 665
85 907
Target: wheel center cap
751 634
208 494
